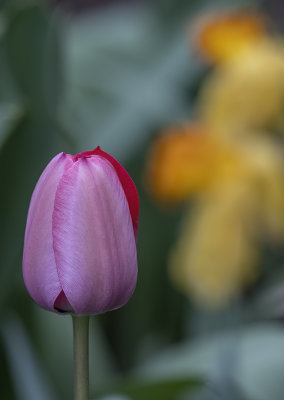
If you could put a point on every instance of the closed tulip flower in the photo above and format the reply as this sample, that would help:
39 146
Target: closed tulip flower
80 240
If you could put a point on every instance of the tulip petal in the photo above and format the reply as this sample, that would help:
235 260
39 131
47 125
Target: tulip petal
94 244
39 268
61 303
128 187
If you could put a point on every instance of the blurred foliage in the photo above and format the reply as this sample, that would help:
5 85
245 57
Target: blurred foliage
164 389
114 76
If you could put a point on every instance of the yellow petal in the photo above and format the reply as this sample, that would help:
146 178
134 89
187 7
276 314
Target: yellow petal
216 255
246 94
223 36
182 162
265 161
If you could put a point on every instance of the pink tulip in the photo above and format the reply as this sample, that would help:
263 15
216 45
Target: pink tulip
80 240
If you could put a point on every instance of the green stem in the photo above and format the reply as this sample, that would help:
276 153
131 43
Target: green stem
81 357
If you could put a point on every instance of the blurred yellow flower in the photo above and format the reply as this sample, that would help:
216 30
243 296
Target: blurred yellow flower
216 253
240 199
230 162
266 163
181 163
222 36
247 93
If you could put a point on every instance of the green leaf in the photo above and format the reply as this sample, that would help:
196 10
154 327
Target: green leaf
10 114
32 49
157 390
252 357
30 381
114 397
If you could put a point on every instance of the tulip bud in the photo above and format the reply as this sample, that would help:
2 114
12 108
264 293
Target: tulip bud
80 240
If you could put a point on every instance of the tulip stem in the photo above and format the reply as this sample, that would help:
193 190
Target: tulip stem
81 357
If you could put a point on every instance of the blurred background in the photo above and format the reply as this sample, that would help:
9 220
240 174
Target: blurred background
189 97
